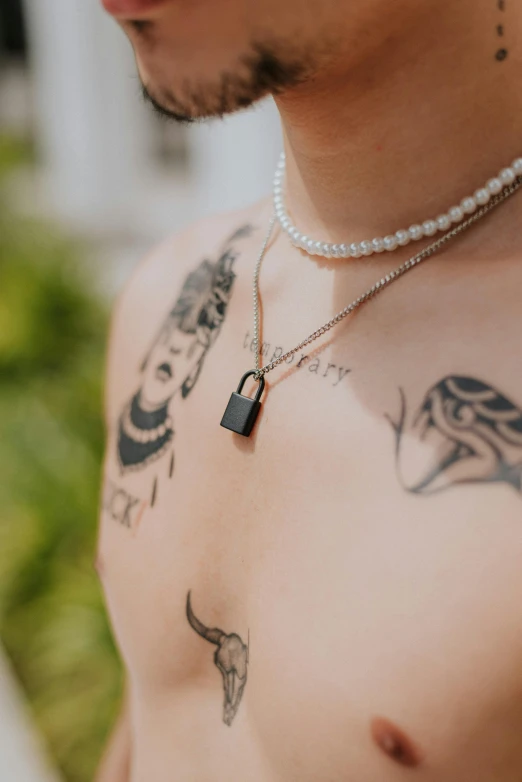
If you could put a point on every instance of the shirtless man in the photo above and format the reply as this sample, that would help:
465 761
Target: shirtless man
337 597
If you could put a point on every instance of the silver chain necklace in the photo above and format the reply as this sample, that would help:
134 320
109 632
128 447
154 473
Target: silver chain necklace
241 412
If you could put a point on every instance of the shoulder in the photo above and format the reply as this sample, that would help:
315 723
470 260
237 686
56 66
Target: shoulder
181 263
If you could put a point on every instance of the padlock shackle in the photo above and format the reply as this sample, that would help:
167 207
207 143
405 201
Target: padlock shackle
261 382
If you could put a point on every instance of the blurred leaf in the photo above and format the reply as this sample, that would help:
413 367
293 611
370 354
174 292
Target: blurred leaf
14 151
52 616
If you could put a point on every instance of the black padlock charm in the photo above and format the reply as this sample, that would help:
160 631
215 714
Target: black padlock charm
241 413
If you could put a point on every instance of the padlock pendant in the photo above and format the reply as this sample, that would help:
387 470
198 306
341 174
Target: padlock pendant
241 413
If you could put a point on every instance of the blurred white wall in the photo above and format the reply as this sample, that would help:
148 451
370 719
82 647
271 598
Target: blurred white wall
95 140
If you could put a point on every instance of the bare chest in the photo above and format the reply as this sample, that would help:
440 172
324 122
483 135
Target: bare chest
346 570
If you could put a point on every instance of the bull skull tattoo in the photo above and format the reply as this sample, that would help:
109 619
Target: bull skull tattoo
465 431
230 657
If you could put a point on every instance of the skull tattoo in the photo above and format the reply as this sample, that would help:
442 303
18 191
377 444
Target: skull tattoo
230 657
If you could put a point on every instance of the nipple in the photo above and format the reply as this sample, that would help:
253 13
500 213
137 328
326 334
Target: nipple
394 743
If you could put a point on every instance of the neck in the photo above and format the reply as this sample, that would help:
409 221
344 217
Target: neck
398 133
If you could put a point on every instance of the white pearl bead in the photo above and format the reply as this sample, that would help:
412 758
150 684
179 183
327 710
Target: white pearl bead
443 222
293 232
278 190
334 251
429 227
317 248
516 165
495 185
468 205
298 239
482 196
402 237
355 250
455 214
311 247
325 250
390 242
378 244
366 248
344 251
415 232
507 176
303 242
285 223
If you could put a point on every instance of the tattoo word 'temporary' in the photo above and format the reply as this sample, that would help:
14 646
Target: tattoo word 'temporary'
464 432
231 659
321 368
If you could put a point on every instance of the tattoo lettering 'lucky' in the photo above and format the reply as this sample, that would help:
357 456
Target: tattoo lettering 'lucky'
230 657
173 364
121 506
465 431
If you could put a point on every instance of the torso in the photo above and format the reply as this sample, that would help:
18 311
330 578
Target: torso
364 571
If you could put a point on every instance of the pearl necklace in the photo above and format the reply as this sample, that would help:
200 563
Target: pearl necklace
400 238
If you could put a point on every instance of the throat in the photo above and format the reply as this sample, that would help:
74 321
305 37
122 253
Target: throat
391 136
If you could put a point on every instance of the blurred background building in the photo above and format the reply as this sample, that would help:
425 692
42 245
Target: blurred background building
89 179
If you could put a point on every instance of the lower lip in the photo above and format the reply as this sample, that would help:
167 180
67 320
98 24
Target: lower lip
130 8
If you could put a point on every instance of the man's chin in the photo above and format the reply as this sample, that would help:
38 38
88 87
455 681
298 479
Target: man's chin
164 108
257 73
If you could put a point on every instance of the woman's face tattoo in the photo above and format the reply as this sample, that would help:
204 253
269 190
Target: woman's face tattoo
172 359
175 360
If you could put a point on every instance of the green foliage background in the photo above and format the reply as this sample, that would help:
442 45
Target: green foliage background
52 618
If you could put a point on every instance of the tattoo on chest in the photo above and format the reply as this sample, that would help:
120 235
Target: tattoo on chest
121 506
231 659
333 373
174 362
465 431
502 52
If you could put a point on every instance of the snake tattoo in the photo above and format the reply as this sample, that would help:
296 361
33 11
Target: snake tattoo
464 432
231 659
